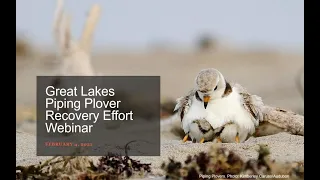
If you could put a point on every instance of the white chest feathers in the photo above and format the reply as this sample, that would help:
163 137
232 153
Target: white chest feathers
229 109
220 112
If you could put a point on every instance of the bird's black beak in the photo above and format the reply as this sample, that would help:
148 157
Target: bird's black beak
205 101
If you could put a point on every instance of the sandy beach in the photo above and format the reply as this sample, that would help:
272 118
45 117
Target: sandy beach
270 75
283 146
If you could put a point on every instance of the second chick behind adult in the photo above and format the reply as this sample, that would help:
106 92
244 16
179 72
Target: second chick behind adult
230 133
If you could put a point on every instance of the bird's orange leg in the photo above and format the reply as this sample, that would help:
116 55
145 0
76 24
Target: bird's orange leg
237 139
185 138
219 139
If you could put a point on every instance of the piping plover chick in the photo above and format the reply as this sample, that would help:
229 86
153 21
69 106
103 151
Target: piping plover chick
226 103
200 131
230 133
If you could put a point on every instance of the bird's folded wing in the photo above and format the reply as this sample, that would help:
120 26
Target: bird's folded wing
252 103
183 104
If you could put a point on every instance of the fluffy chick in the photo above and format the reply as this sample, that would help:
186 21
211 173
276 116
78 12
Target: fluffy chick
200 131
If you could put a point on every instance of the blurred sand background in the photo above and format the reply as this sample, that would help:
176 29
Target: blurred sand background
257 44
269 74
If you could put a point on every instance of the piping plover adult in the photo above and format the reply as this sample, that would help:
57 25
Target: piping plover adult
224 101
221 103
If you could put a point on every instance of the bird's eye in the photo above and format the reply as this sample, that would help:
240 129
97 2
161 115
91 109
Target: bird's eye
216 88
